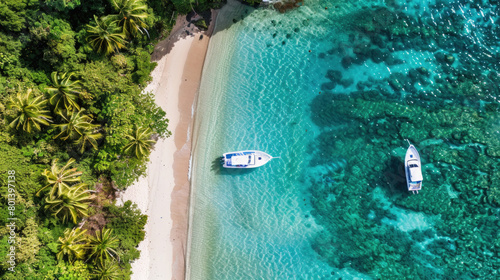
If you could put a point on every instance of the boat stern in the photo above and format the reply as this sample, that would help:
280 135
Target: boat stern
414 186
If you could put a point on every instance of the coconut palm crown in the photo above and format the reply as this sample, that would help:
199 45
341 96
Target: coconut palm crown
108 271
29 112
140 142
71 203
105 37
102 246
76 123
89 137
60 178
65 92
131 15
72 244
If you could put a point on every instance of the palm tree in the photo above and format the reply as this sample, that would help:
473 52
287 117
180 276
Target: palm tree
140 142
70 202
102 246
105 37
30 112
75 125
108 271
64 93
60 178
131 15
72 244
88 137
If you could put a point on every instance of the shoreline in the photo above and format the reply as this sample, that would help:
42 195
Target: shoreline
217 69
164 193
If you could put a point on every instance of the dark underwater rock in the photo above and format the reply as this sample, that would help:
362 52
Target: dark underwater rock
328 86
399 46
347 61
439 57
359 60
445 58
372 95
390 61
331 51
449 59
399 81
424 71
347 82
352 38
414 75
334 75
362 51
378 41
377 55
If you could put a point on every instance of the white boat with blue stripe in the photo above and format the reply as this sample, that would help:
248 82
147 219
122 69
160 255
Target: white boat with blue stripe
413 169
245 159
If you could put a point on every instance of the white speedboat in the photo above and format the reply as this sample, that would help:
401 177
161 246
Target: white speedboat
245 159
413 169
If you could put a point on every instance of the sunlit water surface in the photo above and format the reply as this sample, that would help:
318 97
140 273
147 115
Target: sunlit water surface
334 88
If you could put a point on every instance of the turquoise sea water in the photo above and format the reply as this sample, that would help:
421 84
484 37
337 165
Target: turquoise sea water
334 88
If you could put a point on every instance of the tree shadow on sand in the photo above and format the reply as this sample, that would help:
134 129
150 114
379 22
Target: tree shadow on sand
185 26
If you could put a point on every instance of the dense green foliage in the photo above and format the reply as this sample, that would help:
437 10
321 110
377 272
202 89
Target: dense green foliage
128 225
13 14
73 116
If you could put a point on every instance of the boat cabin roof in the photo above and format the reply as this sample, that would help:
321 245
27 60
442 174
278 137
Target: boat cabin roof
415 171
241 160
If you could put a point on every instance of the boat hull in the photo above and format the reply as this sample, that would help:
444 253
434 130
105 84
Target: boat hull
413 169
245 159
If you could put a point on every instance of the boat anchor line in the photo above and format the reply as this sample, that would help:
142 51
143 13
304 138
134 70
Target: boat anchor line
409 144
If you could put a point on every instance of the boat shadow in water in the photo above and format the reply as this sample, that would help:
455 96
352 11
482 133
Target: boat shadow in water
395 176
219 170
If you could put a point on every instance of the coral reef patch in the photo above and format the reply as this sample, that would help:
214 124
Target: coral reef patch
450 111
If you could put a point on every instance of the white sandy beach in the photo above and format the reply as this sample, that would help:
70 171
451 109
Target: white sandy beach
164 193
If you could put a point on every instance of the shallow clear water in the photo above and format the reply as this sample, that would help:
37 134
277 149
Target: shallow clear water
334 88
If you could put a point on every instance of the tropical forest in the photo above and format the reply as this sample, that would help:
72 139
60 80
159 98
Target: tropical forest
77 128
